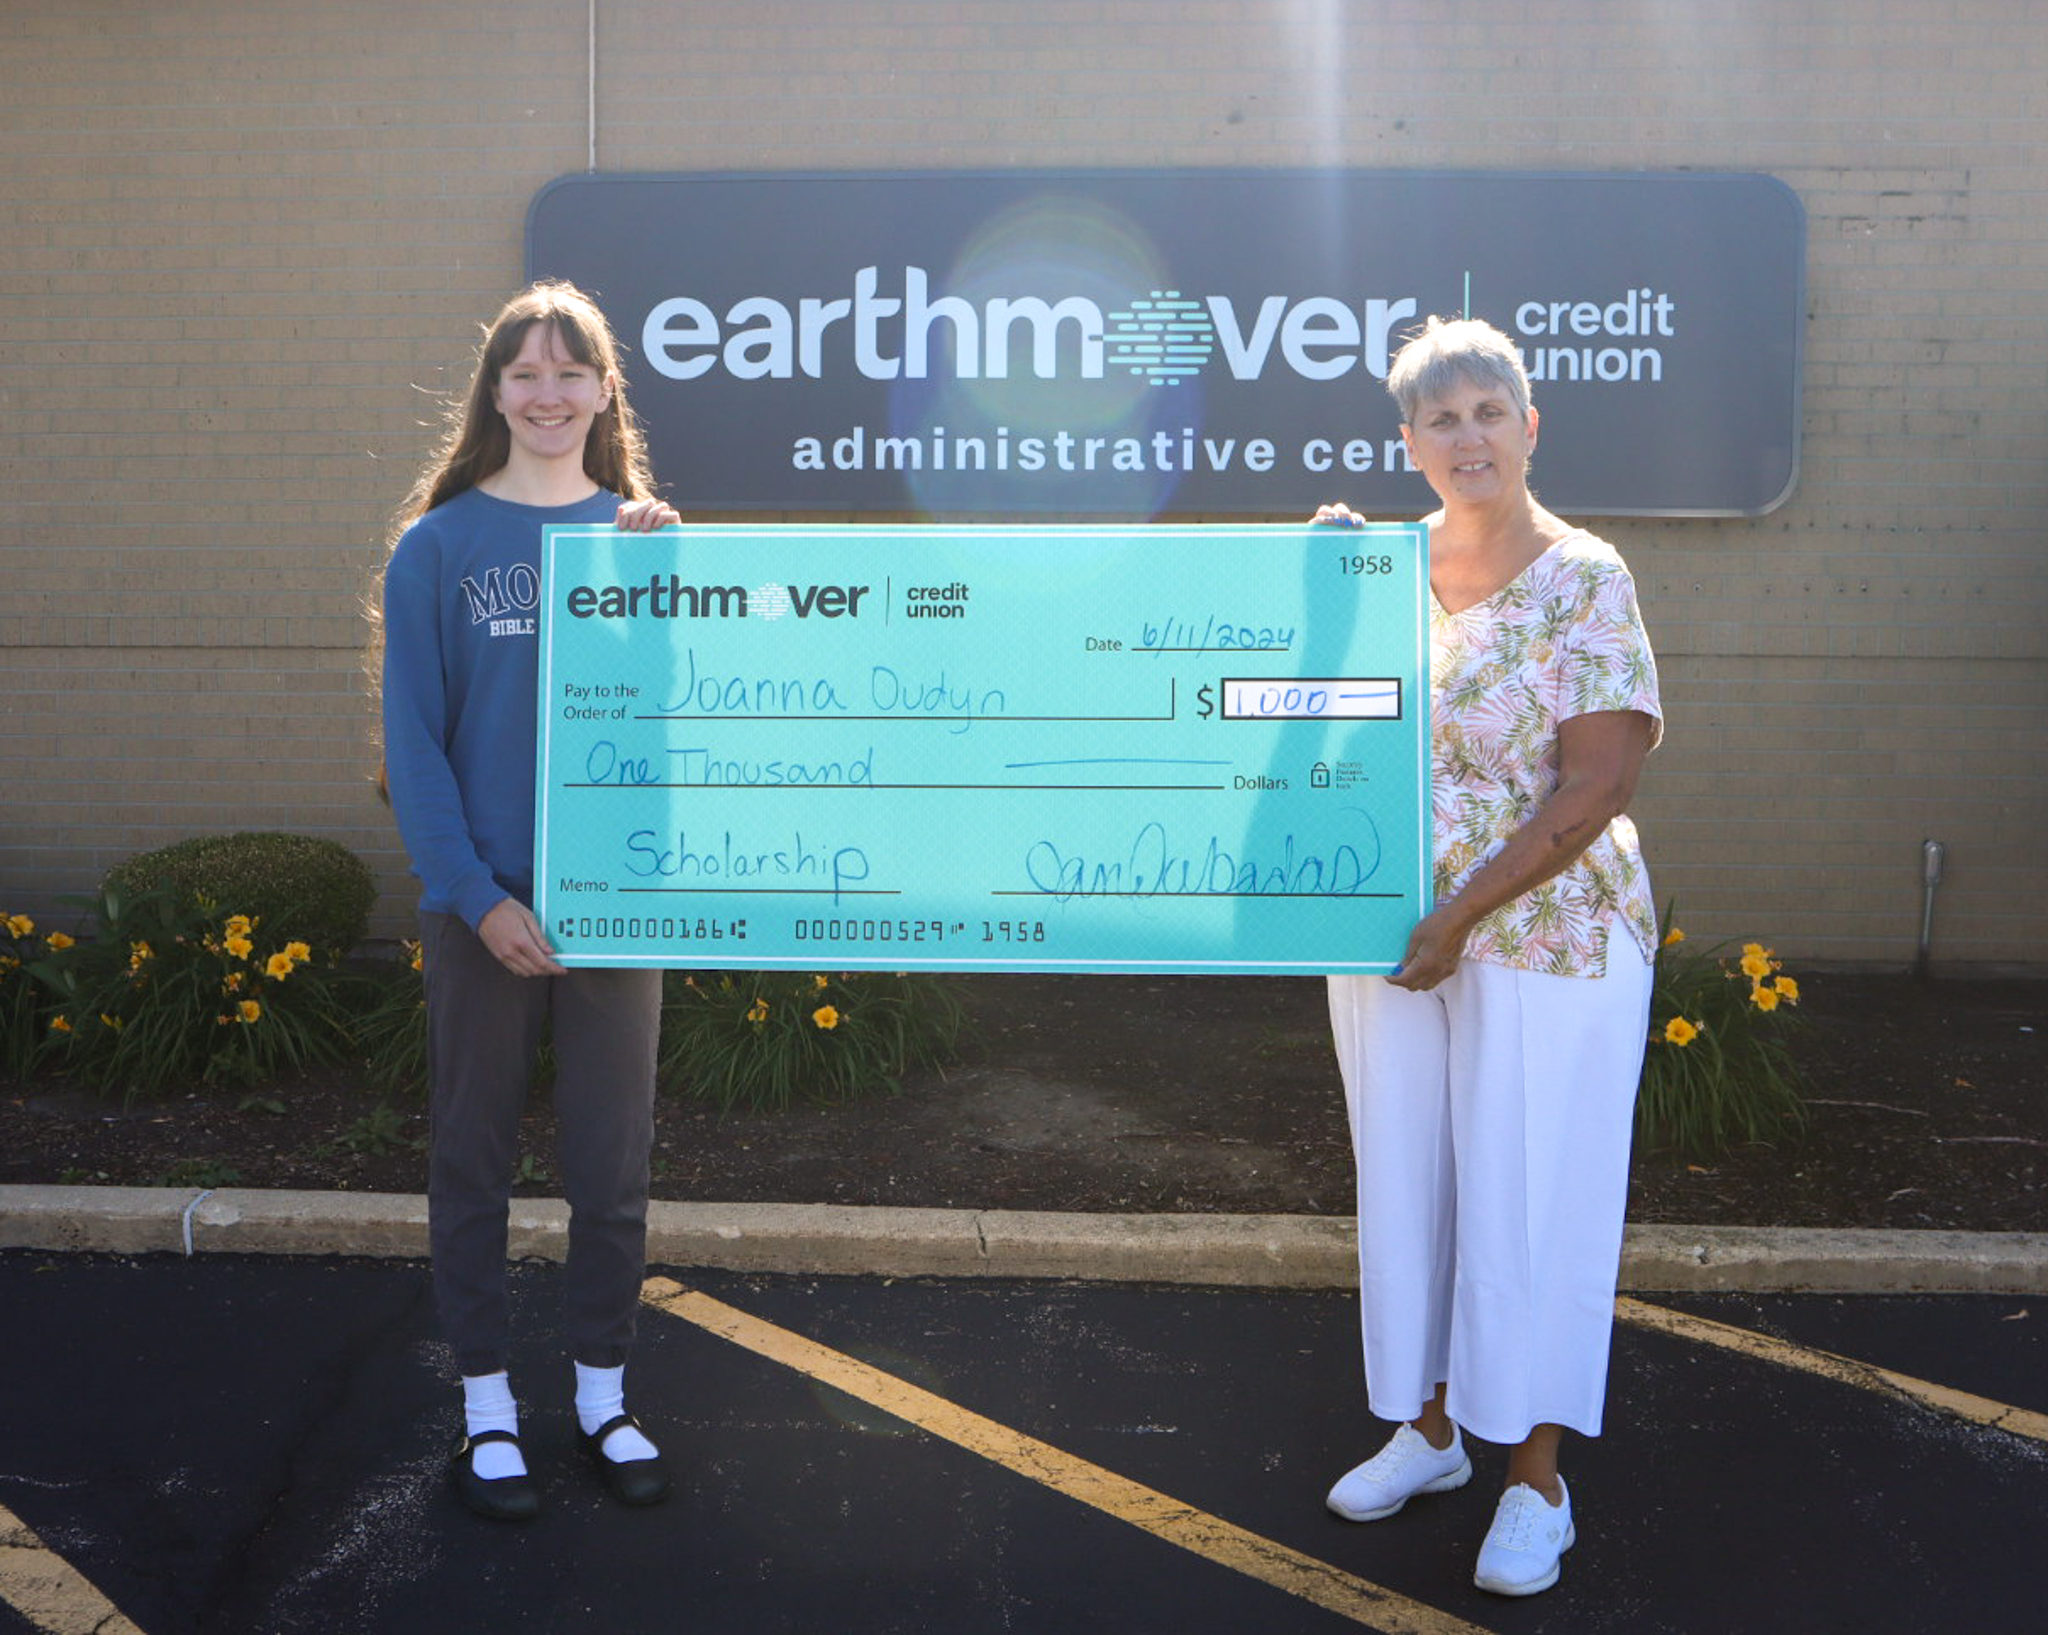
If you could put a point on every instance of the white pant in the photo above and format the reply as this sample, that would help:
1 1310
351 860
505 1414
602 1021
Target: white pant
1490 1119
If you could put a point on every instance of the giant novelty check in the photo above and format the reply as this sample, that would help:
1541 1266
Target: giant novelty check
1146 748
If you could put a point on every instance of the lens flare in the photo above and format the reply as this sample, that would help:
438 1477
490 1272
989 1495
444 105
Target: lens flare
1010 401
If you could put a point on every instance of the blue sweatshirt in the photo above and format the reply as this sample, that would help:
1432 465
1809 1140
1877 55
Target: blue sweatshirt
461 670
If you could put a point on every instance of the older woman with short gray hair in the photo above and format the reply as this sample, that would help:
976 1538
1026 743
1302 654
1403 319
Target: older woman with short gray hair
1490 1080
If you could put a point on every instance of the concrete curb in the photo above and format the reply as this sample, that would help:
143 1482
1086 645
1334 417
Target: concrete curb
1270 1251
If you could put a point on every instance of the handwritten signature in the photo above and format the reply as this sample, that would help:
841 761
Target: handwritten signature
1154 865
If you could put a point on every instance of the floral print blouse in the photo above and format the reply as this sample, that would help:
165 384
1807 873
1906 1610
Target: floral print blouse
1563 639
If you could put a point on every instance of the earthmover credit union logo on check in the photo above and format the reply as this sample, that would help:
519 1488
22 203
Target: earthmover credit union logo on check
670 596
1182 341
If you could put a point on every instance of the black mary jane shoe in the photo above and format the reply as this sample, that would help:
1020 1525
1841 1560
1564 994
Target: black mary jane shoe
497 1498
630 1481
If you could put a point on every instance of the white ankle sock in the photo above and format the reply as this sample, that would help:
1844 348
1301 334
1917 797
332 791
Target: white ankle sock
601 1395
487 1405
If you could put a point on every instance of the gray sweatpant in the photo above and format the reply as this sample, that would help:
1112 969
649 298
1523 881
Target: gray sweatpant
483 1028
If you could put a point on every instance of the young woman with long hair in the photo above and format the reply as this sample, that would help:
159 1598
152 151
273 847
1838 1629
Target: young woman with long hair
544 435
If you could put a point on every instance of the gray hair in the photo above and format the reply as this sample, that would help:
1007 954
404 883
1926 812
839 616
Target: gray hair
1447 350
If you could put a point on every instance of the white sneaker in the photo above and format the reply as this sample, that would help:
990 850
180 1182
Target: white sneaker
1522 1546
1406 1466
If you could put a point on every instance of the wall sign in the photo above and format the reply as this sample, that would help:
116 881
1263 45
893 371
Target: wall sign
1126 343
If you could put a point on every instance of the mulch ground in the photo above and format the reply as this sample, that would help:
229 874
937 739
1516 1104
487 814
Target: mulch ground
1929 1108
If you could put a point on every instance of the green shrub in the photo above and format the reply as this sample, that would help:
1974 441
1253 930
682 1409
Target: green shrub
764 1039
313 890
1719 1070
168 991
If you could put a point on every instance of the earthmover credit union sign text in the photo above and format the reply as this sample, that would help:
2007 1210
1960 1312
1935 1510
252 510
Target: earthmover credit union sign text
1127 343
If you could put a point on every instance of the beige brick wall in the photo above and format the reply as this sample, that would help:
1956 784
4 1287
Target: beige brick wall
242 241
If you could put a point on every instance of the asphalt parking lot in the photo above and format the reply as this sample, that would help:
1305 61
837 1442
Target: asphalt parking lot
231 1444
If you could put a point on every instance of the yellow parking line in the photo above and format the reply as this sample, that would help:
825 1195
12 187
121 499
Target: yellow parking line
1262 1558
47 1590
2001 1416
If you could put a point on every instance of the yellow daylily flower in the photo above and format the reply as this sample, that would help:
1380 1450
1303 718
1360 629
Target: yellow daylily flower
1678 1031
825 1016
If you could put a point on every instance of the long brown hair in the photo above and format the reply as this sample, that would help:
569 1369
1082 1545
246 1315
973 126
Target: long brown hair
475 441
